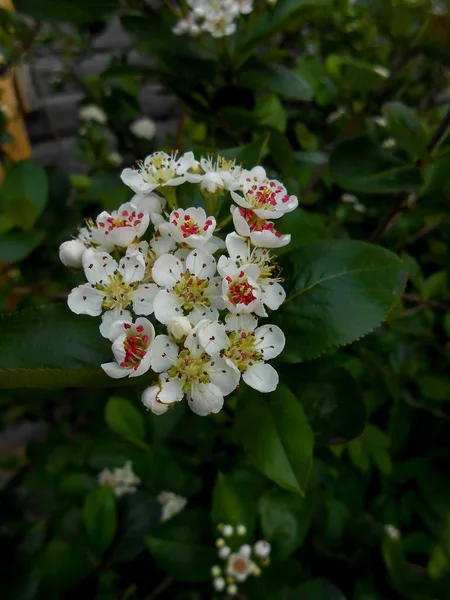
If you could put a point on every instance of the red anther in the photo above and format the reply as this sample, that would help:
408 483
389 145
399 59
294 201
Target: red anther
285 198
174 222
145 339
101 224
241 274
137 222
205 228
186 361
123 364
140 215
125 213
132 339
229 279
176 214
187 217
140 328
127 325
277 233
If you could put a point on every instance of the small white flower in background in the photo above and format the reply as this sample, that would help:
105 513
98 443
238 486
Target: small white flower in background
171 504
359 207
121 480
337 114
240 566
191 227
115 159
144 128
392 532
91 112
112 287
382 71
380 121
219 174
262 549
189 287
131 342
241 529
388 144
210 16
159 170
227 531
219 584
232 589
224 552
349 198
120 227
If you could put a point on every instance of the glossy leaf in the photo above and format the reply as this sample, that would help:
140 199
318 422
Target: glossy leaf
279 442
24 194
99 518
304 227
248 155
278 79
360 166
269 112
182 546
124 419
406 127
233 502
17 245
339 291
63 563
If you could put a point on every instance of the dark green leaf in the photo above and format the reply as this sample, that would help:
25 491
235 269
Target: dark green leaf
304 227
182 546
249 154
285 519
124 419
269 112
339 292
353 74
279 442
317 589
278 79
99 518
25 193
17 245
233 502
63 563
406 127
360 166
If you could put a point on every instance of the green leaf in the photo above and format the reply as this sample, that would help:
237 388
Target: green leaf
25 193
361 166
304 227
317 589
81 11
124 419
355 75
436 189
278 79
339 292
17 245
435 387
285 520
183 548
62 564
269 112
52 347
279 442
248 155
331 399
233 502
99 518
406 127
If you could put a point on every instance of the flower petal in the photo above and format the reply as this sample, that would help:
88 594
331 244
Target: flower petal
167 270
164 353
267 239
204 399
223 374
117 347
213 337
98 266
112 369
237 247
200 312
236 322
144 297
262 377
170 390
110 317
150 401
86 299
270 340
201 264
167 306
151 203
132 267
273 295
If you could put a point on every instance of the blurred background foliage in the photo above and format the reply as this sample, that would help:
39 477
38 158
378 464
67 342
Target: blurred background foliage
349 103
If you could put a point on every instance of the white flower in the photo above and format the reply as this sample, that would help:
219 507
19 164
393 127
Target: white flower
191 227
159 170
272 293
190 288
115 159
267 198
151 402
172 504
389 143
216 571
151 203
121 480
190 370
224 552
262 549
240 290
219 174
262 233
349 198
130 348
144 128
247 347
179 327
241 529
232 589
337 114
392 532
227 530
113 288
380 121
219 584
91 112
239 566
71 253
382 71
121 227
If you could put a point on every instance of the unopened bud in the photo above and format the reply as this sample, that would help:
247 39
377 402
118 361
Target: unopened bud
212 183
71 253
179 327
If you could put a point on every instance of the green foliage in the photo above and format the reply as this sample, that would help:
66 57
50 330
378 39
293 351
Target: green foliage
99 518
125 420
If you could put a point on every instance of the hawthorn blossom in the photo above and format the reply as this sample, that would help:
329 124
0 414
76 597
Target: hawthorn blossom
190 371
71 253
241 342
189 287
121 480
159 170
120 227
267 198
241 254
240 290
151 202
240 565
219 174
171 504
112 288
91 112
131 342
262 549
191 227
144 128
262 234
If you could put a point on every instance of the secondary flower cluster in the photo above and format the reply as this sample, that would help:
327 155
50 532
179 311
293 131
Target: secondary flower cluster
241 560
121 480
209 306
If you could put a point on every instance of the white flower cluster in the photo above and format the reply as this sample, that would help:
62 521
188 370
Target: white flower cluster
171 504
215 17
210 307
241 563
121 480
144 128
91 112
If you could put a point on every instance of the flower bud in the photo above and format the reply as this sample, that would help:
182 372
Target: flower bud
212 183
71 253
179 327
262 549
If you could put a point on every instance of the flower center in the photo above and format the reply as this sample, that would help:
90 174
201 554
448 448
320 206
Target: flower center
160 169
257 224
117 293
241 350
191 290
135 347
190 370
240 565
265 195
240 291
125 219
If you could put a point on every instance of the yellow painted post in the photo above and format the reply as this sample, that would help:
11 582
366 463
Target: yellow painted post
18 148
